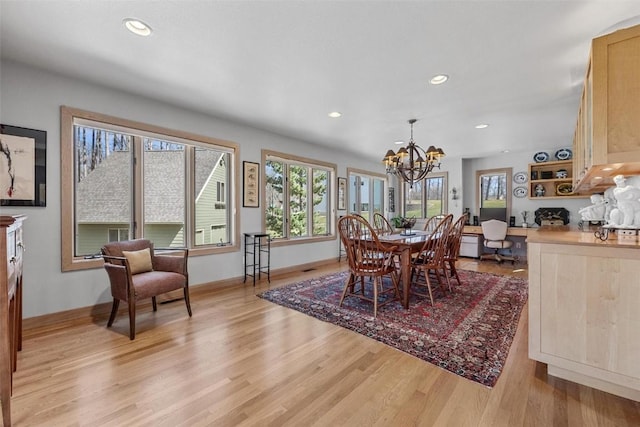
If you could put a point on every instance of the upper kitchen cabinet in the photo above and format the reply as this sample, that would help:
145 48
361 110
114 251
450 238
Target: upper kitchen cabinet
607 137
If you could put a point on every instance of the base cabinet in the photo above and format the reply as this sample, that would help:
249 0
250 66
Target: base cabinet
583 314
11 250
471 246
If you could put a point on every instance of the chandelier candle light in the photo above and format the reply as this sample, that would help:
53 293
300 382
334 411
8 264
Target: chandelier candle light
412 163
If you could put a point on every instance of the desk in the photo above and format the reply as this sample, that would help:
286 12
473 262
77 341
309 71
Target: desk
518 236
406 246
511 231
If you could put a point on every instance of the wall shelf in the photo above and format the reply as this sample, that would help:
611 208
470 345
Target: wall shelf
552 183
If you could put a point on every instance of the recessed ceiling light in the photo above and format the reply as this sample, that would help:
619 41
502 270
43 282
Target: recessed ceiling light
439 79
335 114
482 126
136 26
505 151
399 142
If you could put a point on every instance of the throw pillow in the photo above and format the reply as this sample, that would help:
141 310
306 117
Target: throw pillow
139 261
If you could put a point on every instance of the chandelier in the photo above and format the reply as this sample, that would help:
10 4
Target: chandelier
412 163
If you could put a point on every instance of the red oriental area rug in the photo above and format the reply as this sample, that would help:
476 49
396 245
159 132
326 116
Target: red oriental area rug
468 332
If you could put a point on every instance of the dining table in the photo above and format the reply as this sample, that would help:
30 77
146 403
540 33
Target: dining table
406 244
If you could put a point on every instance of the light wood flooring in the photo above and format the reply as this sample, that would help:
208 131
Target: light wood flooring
243 361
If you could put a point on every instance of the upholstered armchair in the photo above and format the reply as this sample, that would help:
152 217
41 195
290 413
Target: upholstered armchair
136 273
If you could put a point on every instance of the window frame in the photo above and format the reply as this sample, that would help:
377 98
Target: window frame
359 173
498 171
331 197
423 196
68 117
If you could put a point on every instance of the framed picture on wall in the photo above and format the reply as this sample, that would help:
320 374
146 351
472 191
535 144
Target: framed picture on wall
342 193
251 184
23 166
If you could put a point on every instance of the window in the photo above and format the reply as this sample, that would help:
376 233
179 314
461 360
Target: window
212 166
493 189
321 214
130 180
366 193
163 192
199 237
220 193
297 201
219 234
118 234
427 198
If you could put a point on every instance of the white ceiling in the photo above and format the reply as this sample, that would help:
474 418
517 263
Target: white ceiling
284 65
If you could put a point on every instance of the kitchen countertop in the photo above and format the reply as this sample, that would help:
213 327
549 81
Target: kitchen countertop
566 235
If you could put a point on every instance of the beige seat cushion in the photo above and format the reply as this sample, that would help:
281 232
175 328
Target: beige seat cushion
139 261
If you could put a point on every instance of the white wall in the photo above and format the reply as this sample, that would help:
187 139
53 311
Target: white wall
519 162
455 177
32 98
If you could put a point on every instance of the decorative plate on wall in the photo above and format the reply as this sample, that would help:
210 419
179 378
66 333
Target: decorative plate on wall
541 157
520 192
520 177
564 154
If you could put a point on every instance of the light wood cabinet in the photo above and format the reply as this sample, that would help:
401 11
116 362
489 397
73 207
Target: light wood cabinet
548 175
583 310
11 250
607 135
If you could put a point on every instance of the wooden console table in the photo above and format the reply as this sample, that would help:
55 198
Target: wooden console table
11 250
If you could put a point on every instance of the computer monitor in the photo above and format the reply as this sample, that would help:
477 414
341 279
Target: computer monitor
493 213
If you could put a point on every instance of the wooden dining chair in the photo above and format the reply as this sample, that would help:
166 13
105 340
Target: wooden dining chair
368 258
382 224
431 223
365 220
430 259
453 247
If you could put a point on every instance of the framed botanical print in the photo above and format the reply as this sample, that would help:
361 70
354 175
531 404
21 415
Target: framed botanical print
251 184
342 193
